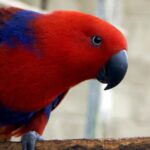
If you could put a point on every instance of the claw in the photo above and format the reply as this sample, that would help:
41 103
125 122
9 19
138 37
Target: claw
29 140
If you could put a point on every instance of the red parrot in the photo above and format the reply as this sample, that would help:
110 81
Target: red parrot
42 56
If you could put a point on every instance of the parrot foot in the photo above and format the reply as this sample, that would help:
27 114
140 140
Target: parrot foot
29 139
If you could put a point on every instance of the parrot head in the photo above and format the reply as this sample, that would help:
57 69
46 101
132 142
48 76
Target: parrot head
87 47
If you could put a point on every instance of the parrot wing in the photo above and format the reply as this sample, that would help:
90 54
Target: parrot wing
13 123
15 28
5 16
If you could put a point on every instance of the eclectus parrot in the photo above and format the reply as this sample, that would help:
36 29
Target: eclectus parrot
42 56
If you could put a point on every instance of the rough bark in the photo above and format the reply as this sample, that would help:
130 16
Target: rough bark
84 144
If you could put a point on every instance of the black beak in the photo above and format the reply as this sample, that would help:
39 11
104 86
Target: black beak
115 70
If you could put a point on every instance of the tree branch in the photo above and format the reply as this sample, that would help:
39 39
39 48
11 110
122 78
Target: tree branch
84 144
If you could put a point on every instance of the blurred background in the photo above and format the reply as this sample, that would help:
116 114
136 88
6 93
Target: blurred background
88 111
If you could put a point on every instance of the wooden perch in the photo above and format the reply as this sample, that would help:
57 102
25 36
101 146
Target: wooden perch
83 144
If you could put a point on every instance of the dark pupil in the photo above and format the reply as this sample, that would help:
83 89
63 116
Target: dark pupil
97 40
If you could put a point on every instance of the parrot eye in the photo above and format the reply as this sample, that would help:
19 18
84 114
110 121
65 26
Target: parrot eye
97 40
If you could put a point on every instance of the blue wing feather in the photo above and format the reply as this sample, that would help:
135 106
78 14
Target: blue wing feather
9 117
18 29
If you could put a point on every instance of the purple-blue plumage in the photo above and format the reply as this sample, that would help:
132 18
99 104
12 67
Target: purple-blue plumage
9 117
17 29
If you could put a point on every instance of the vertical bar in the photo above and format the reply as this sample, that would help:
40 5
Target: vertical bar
110 10
95 92
93 108
44 4
101 9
